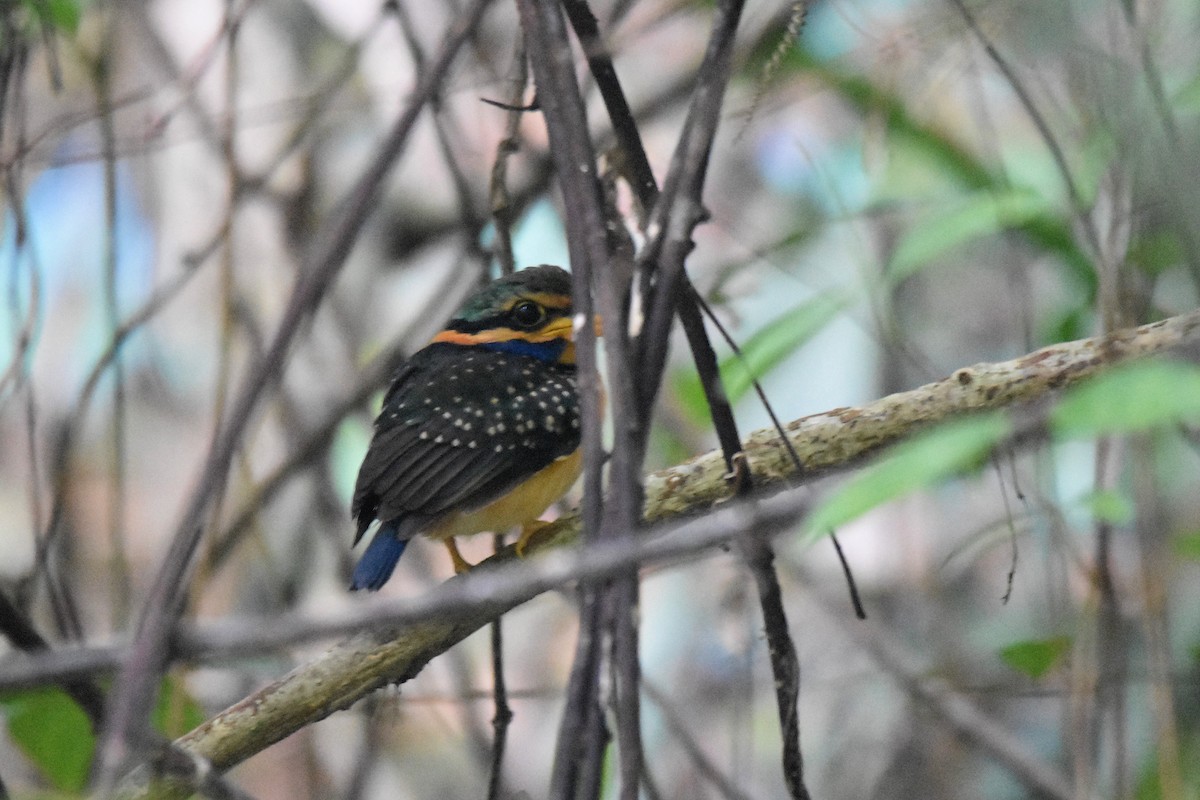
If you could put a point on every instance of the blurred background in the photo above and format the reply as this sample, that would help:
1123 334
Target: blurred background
909 187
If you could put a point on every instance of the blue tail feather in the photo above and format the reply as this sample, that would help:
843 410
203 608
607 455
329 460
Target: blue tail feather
379 559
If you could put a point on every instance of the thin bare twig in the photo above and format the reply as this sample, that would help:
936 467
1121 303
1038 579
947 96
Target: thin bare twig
1153 530
368 752
501 203
955 710
469 218
676 212
503 714
102 85
367 660
312 446
631 416
501 209
679 729
829 441
1078 203
134 693
21 634
582 735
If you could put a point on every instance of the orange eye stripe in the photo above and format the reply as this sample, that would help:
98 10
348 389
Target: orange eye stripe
456 337
544 299
556 329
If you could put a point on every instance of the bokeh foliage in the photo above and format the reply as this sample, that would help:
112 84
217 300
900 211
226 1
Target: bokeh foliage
886 207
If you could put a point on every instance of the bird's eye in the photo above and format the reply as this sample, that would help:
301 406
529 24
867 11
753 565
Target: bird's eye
528 314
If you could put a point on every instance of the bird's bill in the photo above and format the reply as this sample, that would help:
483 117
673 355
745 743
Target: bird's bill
564 328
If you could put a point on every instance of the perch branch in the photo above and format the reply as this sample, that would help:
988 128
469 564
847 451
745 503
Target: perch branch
395 640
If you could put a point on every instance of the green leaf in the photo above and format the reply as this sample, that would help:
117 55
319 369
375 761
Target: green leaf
946 157
1035 657
65 14
763 351
1133 397
956 161
926 460
1094 160
176 712
778 340
1187 756
57 738
1187 99
1109 506
1070 325
1155 252
979 215
1187 545
54 734
62 15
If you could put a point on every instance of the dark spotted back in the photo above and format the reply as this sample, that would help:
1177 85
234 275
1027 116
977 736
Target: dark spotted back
460 427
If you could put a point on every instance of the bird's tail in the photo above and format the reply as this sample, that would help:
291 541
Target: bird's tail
377 563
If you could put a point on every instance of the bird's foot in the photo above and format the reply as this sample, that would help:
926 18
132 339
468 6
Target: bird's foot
461 565
527 532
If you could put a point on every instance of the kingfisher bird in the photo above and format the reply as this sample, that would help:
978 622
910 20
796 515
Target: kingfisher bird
479 429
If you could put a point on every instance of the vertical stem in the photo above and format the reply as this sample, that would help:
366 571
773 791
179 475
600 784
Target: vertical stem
503 715
503 252
119 561
582 733
581 729
501 204
149 654
628 673
227 292
1151 538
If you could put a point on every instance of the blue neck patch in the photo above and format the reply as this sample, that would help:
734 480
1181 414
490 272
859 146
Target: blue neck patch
546 351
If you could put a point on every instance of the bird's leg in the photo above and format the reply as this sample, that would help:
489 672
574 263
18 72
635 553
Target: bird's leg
461 565
527 532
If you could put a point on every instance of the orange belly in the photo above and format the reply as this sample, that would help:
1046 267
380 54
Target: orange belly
523 504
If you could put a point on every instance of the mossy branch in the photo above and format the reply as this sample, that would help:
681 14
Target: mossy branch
832 440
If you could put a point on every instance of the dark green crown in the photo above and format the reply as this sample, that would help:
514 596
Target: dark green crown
546 278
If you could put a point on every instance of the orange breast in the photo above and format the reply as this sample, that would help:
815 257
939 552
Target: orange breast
523 504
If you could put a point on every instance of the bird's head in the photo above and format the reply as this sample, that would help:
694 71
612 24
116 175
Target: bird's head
527 313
